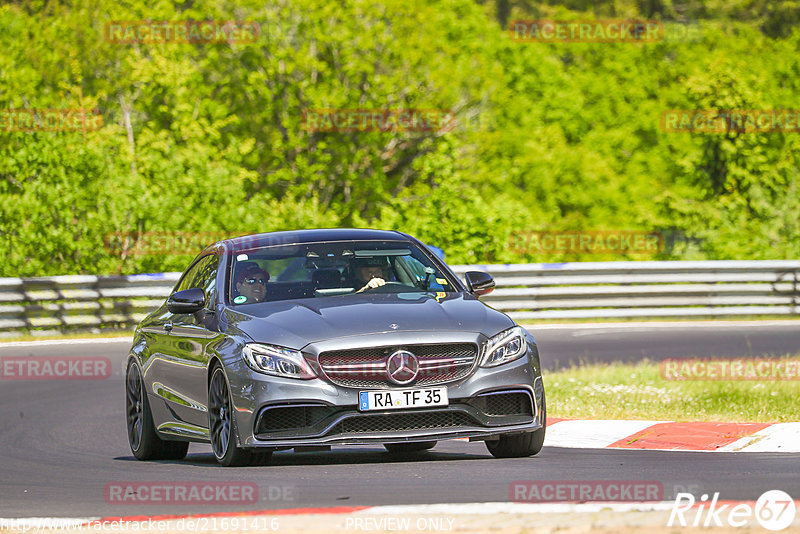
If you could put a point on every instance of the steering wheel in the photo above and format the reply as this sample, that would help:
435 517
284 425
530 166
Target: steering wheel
391 283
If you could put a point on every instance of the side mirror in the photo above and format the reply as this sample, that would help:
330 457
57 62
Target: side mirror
187 301
479 283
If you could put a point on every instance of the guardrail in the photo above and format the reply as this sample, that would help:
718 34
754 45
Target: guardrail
630 289
79 302
526 292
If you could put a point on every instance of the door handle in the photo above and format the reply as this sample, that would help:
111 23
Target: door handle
168 326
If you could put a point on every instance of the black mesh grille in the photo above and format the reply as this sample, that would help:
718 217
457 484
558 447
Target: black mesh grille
516 403
292 417
404 421
442 376
452 362
377 353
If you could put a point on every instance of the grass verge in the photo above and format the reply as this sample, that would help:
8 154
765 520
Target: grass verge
638 391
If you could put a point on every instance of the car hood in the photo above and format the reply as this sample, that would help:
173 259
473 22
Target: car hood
296 323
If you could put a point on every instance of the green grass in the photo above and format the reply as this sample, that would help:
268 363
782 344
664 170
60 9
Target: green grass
637 391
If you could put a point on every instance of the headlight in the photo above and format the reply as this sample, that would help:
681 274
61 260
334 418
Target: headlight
278 361
505 347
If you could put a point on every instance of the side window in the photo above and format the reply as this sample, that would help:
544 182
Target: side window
209 279
415 266
203 274
416 270
188 280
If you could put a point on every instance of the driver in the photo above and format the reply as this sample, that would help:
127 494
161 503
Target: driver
251 283
370 273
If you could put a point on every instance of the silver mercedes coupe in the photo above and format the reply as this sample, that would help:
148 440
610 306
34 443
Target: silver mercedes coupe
306 339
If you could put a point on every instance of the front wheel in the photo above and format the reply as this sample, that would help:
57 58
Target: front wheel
222 426
142 437
520 445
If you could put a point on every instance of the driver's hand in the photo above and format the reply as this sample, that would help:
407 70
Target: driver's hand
372 284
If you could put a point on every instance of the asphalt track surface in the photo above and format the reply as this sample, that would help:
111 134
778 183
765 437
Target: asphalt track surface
565 345
561 346
63 442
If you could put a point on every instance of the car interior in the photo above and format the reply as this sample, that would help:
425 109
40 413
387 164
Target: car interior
322 273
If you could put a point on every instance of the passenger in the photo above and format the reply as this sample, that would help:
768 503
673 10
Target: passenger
251 283
370 273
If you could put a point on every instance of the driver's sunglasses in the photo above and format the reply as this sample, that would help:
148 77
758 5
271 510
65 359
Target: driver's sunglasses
252 281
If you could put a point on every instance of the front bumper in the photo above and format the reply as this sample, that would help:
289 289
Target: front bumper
317 412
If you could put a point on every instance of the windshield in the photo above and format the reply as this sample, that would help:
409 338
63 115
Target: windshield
318 270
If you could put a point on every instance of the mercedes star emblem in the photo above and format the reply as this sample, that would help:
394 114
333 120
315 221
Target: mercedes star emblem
402 367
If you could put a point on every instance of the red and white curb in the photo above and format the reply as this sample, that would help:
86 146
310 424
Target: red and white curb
673 436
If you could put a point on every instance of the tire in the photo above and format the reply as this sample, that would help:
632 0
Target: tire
222 426
520 445
409 447
142 436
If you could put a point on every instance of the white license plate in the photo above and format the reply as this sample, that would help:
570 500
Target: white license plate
401 398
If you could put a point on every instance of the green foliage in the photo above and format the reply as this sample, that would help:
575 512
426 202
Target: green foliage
209 138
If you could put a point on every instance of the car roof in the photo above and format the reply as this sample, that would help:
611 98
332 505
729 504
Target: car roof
312 236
